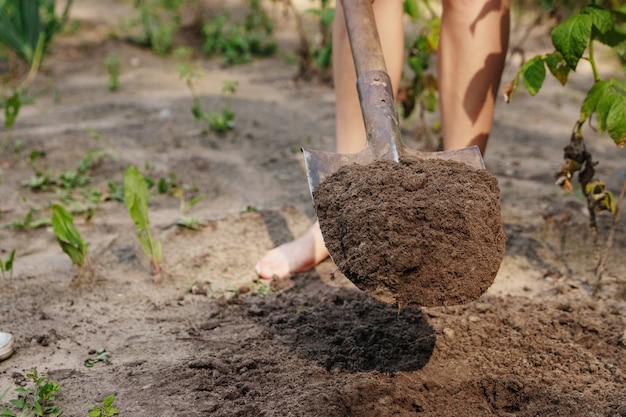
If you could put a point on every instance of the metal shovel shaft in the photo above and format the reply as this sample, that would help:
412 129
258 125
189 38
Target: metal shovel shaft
380 116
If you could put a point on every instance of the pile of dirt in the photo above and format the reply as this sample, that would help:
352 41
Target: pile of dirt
419 232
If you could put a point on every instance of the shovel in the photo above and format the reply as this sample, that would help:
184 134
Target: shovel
378 107
383 139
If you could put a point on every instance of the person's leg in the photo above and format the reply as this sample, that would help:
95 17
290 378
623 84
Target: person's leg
472 49
308 250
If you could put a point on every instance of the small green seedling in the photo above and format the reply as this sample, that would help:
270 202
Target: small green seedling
112 65
260 288
136 197
220 121
12 109
28 223
31 402
100 355
251 209
105 409
185 205
69 237
7 266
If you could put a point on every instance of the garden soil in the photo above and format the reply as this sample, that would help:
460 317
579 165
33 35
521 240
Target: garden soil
205 338
422 232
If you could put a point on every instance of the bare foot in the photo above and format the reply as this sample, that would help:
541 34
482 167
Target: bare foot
298 255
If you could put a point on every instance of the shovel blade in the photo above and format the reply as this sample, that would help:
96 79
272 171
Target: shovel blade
320 164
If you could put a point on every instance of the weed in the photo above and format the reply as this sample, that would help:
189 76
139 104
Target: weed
251 209
67 182
314 53
112 65
158 21
136 198
220 121
29 223
104 409
100 355
69 237
38 182
7 266
238 43
223 120
115 191
261 288
418 93
36 401
11 105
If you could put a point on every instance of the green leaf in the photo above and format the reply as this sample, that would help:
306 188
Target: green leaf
534 73
327 17
38 409
136 197
108 401
590 103
9 262
611 38
601 18
94 413
616 118
558 67
411 9
571 38
608 100
11 110
68 235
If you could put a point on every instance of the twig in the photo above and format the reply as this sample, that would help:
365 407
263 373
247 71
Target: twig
601 266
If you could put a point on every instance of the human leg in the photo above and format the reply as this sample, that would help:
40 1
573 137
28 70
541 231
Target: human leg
308 250
472 49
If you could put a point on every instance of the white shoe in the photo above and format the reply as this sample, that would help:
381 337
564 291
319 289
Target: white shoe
6 345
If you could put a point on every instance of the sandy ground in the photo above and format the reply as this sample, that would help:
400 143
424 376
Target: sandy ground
538 343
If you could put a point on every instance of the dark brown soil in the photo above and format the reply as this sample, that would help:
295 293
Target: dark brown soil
419 232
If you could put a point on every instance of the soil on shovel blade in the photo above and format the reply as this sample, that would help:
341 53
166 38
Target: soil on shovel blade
419 232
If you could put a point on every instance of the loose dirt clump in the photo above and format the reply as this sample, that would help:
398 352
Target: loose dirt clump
420 232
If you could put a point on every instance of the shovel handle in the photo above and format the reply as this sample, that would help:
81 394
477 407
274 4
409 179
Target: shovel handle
373 83
364 41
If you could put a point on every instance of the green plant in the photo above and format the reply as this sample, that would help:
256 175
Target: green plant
36 401
11 105
606 100
70 185
136 197
27 27
112 65
104 409
239 42
314 52
29 223
158 21
69 237
100 355
260 287
7 266
218 121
